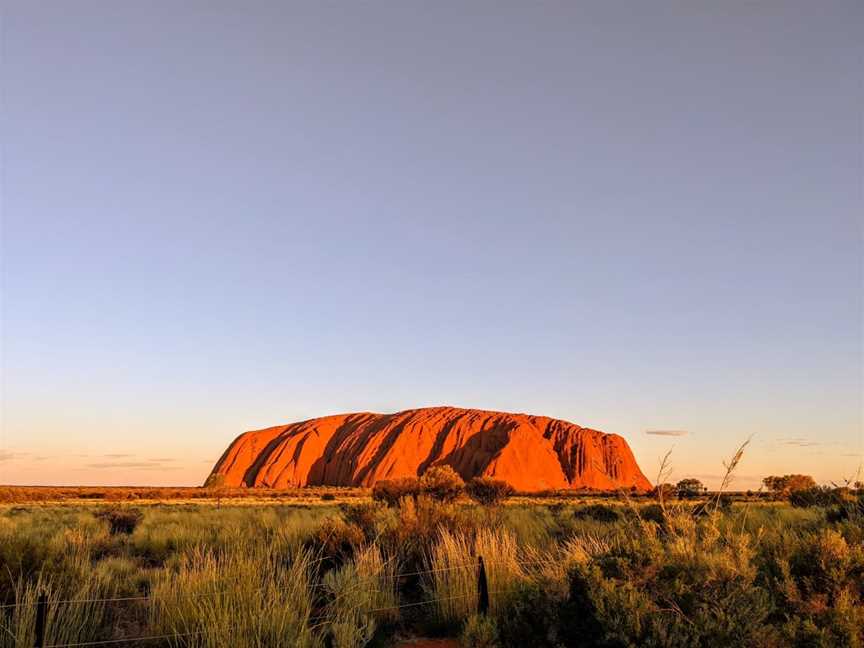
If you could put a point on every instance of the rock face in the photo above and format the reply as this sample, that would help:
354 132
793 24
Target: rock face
530 452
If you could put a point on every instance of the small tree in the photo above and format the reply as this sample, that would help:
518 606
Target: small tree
488 491
690 488
391 491
441 483
788 483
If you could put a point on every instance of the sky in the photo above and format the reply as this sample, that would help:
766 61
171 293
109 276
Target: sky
644 218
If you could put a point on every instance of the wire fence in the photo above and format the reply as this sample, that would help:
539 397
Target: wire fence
482 594
108 642
148 597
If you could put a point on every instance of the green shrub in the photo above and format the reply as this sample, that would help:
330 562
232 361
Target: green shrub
531 616
850 508
580 622
815 496
597 512
652 513
823 496
817 580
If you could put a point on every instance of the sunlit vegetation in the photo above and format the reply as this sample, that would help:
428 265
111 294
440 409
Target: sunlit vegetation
214 490
436 557
620 573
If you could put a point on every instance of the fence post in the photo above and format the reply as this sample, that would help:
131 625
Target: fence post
41 613
482 587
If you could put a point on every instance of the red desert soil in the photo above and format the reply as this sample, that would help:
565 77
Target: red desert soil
532 453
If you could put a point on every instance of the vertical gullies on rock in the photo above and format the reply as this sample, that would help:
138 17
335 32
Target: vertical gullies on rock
359 449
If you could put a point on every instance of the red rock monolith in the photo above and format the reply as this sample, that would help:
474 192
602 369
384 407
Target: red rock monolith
532 453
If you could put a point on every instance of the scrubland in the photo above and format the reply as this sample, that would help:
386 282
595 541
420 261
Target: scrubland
36 495
559 573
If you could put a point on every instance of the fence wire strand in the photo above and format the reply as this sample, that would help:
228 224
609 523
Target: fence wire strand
106 642
323 617
225 591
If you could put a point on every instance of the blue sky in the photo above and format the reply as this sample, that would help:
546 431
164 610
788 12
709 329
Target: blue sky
222 216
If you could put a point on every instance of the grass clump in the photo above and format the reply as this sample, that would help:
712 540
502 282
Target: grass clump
66 623
453 579
246 596
479 631
362 598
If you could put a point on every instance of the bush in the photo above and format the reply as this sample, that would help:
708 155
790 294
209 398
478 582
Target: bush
580 625
362 516
488 491
819 586
850 508
441 483
337 540
409 529
391 491
598 512
530 617
121 520
822 496
652 513
663 491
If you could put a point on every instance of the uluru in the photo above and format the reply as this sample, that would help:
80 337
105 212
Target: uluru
531 453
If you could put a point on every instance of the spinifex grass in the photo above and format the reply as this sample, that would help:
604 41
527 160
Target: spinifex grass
452 581
247 596
362 597
78 620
